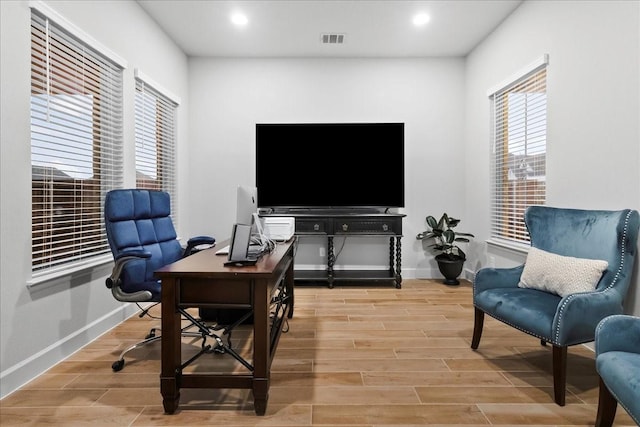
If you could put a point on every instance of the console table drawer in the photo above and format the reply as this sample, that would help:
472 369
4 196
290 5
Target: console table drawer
368 226
313 226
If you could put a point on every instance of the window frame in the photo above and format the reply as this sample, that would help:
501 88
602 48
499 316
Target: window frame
508 230
160 128
51 75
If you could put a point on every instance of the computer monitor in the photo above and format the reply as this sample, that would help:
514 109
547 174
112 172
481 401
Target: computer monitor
239 246
246 204
247 213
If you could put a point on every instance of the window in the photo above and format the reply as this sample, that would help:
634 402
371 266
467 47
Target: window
519 140
76 145
155 118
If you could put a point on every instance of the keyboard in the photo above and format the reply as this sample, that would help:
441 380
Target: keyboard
254 251
223 251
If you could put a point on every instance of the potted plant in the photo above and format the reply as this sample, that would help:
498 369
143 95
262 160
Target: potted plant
450 257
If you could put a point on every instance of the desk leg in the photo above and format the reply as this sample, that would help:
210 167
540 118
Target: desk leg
170 353
261 346
289 287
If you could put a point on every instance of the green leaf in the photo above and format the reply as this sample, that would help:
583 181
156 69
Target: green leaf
453 222
425 235
431 222
444 219
449 236
465 234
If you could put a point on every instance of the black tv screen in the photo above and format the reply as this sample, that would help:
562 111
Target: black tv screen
330 165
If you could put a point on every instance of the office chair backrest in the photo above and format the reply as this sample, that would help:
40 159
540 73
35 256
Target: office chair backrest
591 234
140 220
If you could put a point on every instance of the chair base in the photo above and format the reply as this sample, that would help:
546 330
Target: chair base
205 332
607 405
478 323
151 337
559 358
119 364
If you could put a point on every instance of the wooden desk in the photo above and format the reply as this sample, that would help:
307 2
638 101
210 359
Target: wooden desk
202 280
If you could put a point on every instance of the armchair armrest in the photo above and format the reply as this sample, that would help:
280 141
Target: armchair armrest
197 241
618 333
490 278
113 281
579 314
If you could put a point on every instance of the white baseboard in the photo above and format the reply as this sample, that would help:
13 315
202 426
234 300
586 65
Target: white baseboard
469 274
20 374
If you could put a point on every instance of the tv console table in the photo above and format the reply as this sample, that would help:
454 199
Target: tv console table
343 224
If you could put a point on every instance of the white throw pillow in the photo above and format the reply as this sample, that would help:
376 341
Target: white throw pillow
561 275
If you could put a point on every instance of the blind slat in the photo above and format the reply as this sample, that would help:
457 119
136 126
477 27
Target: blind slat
76 144
519 155
155 116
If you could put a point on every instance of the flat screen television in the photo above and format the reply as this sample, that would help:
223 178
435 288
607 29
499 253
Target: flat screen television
329 165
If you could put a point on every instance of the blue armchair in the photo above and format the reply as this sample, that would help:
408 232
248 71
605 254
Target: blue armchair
565 243
142 239
618 365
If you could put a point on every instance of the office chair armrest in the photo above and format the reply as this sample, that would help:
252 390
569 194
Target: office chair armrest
139 296
113 281
197 241
120 260
128 255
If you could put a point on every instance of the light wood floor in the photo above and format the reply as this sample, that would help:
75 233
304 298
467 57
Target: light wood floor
353 356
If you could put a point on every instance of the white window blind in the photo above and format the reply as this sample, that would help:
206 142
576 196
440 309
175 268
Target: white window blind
155 118
76 145
519 140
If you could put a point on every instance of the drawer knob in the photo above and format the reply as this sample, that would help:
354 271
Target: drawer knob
316 227
385 227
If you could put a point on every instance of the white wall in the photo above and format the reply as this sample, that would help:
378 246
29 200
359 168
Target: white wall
594 140
229 96
40 327
593 87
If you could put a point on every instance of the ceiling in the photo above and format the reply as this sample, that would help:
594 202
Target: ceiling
294 28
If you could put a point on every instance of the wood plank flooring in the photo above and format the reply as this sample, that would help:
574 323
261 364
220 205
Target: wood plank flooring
353 356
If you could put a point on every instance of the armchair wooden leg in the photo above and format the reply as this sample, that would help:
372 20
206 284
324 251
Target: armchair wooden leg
478 322
559 374
607 405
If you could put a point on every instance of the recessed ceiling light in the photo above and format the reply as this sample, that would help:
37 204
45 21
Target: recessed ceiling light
239 19
421 19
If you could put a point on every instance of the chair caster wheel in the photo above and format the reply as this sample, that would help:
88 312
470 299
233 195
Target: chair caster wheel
118 365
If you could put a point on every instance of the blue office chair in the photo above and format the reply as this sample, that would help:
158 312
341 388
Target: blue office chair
565 245
142 239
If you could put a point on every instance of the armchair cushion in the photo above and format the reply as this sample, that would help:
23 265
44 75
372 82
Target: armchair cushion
619 370
525 309
561 275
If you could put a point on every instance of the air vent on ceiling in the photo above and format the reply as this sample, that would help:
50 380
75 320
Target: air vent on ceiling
332 38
